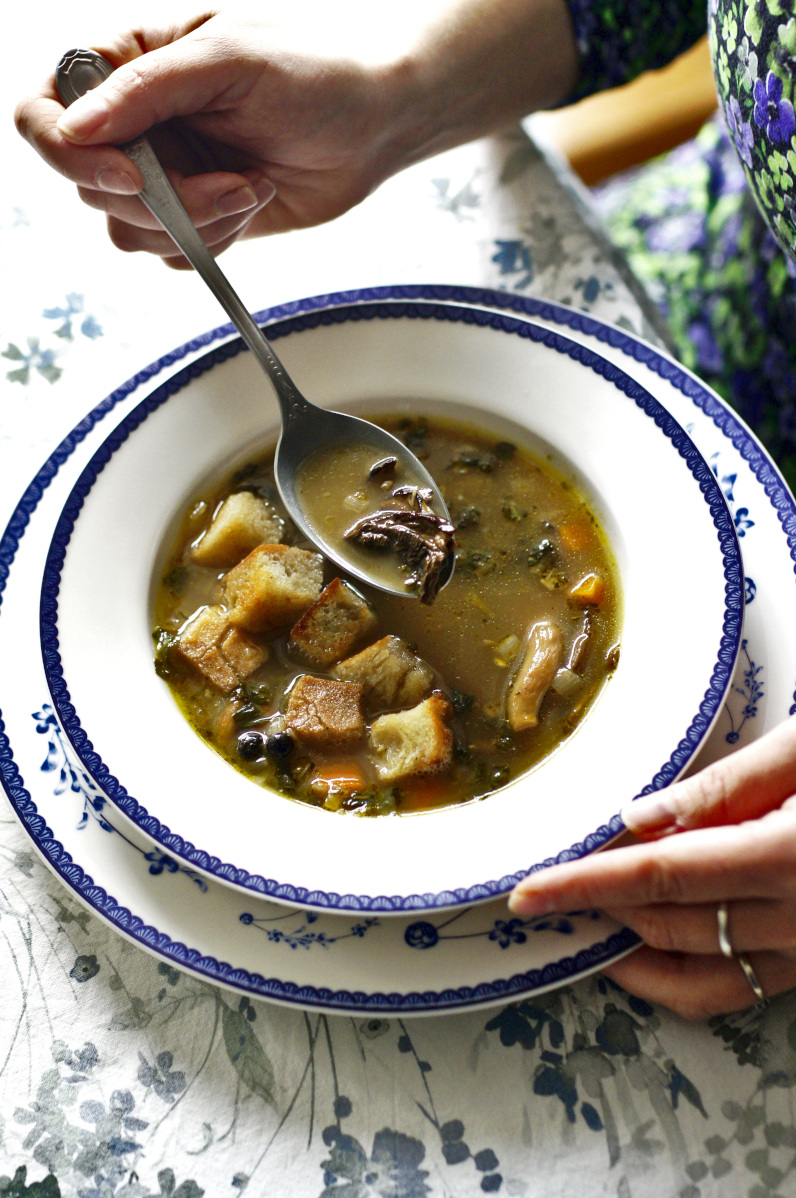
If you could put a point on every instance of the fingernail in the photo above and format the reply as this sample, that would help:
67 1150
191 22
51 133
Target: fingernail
235 201
119 182
653 813
84 117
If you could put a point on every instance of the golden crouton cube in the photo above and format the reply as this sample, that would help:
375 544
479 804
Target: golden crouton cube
242 522
272 587
325 714
222 654
392 675
329 628
417 741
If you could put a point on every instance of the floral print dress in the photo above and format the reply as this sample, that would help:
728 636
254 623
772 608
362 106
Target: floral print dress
711 227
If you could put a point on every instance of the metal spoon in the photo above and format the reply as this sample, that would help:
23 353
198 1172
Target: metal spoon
306 428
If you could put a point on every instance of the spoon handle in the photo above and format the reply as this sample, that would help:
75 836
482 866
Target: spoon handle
77 73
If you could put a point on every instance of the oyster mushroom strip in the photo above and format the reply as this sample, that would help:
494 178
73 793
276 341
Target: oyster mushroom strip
420 539
538 668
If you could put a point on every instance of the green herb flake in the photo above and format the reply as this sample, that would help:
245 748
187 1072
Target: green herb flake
468 517
477 561
512 510
164 641
462 702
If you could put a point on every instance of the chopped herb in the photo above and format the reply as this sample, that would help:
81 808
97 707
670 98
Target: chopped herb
376 801
413 433
462 702
504 450
176 579
247 715
255 692
468 517
164 641
512 510
355 802
505 742
500 775
245 472
469 458
477 561
544 553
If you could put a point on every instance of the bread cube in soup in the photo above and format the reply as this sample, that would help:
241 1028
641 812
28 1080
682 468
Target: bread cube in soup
242 522
417 741
325 714
272 587
334 623
391 674
222 654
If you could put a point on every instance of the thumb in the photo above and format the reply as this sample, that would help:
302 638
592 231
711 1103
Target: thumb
173 80
746 785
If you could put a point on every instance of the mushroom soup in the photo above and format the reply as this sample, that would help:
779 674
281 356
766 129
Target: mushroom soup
358 701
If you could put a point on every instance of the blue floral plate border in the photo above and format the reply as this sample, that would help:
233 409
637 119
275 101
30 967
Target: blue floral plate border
309 315
122 919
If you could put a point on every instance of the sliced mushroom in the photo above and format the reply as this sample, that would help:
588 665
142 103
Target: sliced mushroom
532 681
420 539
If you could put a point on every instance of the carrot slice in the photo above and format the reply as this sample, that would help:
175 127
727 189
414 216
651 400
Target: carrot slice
589 592
341 775
576 534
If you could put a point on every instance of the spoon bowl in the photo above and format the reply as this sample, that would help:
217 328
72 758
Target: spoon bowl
307 429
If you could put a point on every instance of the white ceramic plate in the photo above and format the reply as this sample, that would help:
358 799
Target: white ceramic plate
682 607
156 903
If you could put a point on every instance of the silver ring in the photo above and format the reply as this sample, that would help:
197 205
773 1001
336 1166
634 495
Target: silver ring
752 979
723 920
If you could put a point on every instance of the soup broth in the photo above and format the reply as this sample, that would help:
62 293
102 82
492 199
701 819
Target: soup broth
345 697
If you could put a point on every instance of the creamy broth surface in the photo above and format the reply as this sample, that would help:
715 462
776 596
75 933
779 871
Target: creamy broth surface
534 602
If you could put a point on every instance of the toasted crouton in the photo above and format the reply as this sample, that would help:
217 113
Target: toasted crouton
323 713
392 675
222 654
417 741
272 587
329 628
243 522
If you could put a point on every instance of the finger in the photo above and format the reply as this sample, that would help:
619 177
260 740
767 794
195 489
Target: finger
105 168
745 785
753 860
754 925
699 987
133 239
181 263
172 80
206 199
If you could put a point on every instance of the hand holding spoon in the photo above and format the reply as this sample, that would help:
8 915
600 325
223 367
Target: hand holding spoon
307 429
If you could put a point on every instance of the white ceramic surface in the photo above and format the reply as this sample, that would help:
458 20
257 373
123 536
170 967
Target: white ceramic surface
647 483
155 902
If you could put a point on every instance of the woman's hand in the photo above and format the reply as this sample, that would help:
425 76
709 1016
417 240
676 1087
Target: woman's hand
726 834
266 125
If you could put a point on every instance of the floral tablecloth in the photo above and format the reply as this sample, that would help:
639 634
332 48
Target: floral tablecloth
120 1075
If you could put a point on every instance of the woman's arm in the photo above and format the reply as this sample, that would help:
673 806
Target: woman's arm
291 123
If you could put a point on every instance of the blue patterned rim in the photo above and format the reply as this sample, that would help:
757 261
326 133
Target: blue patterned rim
121 918
284 891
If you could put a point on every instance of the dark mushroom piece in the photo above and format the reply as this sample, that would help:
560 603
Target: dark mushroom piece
420 539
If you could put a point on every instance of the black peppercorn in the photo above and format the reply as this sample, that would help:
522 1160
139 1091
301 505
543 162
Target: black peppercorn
279 746
251 745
